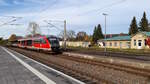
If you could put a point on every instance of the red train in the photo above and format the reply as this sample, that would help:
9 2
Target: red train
44 43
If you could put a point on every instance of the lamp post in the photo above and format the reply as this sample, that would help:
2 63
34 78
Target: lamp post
105 32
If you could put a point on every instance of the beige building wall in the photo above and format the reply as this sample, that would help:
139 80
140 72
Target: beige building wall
138 41
76 44
118 44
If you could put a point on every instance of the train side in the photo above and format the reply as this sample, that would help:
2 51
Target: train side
43 43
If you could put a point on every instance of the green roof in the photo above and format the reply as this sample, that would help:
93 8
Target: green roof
124 38
146 33
119 38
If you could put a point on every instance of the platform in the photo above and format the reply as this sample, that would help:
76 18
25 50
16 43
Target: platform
15 68
114 60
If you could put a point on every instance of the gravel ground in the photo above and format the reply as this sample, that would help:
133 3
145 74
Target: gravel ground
145 57
104 73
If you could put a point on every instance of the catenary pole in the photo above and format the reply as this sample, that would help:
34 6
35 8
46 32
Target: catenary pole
65 38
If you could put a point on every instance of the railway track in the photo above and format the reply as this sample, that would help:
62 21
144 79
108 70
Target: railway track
91 71
129 69
140 57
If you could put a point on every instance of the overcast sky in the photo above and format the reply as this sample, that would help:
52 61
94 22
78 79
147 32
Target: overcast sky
81 15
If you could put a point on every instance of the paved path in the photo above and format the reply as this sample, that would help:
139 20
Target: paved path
18 69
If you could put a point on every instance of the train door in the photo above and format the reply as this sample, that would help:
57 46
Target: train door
37 43
29 43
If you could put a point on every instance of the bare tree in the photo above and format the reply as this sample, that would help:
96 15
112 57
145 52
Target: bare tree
13 37
70 34
81 36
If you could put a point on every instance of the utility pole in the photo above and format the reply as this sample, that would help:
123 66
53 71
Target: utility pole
65 35
65 31
105 50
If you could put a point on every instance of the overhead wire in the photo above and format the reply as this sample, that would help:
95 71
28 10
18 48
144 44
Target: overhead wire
8 22
91 11
52 25
104 7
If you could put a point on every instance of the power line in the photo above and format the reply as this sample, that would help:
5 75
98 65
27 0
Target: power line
52 25
105 7
14 20
43 10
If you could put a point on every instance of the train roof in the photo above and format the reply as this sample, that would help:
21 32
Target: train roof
37 37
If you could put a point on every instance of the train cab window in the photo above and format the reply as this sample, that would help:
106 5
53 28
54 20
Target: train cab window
53 41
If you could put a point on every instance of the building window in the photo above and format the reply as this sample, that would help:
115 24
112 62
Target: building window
115 44
104 43
134 42
110 44
145 41
139 42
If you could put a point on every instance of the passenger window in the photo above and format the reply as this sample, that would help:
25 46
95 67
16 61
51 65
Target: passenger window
37 41
43 41
29 42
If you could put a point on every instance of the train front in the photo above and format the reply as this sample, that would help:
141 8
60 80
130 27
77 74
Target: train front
54 44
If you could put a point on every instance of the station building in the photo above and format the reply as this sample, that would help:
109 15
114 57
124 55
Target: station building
136 41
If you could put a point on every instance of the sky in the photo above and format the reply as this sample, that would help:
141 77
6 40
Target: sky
81 15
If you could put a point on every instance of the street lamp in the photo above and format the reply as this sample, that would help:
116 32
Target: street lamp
105 32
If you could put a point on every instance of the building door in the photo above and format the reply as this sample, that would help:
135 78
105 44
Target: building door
139 44
128 45
120 45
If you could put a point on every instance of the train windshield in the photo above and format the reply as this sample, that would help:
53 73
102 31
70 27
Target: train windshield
54 42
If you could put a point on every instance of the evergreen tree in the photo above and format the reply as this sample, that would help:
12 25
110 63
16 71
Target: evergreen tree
97 33
144 23
94 35
133 27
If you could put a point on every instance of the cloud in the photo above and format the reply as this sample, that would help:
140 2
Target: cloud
81 15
